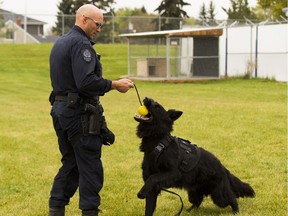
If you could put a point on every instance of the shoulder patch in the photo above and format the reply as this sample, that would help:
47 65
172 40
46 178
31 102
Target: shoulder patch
87 55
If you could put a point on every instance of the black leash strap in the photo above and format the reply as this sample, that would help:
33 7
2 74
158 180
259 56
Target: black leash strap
179 212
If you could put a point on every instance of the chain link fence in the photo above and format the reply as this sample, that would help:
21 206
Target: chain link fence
43 27
46 28
254 48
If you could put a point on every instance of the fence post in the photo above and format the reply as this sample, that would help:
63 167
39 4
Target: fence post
168 72
226 52
256 52
63 31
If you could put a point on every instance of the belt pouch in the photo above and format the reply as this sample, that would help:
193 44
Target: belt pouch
72 100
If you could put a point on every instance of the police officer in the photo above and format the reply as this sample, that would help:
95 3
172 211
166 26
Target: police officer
76 77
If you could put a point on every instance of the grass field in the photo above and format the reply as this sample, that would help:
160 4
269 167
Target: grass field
243 122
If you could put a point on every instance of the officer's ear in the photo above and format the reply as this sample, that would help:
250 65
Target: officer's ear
81 19
84 19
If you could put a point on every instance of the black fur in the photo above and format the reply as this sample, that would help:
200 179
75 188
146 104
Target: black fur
208 177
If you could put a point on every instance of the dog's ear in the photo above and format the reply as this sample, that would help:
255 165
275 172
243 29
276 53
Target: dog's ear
174 114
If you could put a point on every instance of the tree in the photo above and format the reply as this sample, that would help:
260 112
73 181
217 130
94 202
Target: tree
239 10
203 14
171 8
211 14
271 9
2 24
67 10
207 16
131 20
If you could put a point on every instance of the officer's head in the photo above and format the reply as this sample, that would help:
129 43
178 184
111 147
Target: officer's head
90 19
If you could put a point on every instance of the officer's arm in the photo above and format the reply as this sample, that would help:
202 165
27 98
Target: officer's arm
83 66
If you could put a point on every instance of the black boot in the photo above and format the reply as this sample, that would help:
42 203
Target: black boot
57 211
93 212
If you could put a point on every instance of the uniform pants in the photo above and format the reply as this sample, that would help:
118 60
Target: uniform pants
81 160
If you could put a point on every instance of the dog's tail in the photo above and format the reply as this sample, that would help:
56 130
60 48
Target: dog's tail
240 189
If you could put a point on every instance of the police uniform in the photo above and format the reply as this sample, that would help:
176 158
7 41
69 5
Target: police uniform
75 68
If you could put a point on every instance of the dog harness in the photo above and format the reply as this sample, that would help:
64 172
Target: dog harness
189 153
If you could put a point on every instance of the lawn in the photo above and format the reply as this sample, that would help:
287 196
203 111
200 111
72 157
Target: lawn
243 122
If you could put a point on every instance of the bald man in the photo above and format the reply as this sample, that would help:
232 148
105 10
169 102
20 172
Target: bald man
77 114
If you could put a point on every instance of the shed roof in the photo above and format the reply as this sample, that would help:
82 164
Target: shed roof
178 33
8 15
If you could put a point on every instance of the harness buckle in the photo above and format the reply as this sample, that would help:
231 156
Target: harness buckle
160 147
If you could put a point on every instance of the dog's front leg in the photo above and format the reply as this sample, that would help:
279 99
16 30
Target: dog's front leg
151 200
158 181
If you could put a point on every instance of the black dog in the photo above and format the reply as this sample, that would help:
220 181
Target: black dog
175 162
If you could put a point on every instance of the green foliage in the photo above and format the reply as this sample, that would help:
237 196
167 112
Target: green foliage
2 24
240 10
211 13
271 9
203 13
131 20
168 8
207 16
171 8
67 10
243 122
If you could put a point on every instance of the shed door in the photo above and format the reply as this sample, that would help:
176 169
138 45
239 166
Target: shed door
206 56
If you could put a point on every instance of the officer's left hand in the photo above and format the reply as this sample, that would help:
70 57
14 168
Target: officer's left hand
108 136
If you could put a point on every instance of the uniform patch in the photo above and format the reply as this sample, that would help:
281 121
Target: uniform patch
87 55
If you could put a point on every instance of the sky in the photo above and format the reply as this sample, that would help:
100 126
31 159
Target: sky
45 10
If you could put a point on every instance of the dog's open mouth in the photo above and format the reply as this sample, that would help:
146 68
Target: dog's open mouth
140 118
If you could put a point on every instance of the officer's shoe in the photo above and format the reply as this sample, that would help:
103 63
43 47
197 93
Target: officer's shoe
57 211
93 212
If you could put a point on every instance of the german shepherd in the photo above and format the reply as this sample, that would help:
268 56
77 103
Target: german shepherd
174 162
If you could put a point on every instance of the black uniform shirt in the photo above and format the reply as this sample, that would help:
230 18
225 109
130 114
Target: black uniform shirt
75 67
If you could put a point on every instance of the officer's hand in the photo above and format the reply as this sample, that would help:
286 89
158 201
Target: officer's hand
108 136
122 85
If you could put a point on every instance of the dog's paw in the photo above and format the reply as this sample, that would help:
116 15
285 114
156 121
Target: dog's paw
141 195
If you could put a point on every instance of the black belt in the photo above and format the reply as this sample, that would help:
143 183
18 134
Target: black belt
81 100
60 98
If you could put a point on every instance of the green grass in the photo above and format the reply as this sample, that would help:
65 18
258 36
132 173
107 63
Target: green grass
243 122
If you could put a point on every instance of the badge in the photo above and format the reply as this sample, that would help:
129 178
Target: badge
87 55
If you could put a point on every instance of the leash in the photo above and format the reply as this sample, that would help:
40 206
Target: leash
179 212
137 94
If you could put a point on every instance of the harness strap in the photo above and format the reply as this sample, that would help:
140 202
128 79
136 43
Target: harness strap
162 145
190 154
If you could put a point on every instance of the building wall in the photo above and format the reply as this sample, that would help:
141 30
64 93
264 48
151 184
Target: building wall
19 35
272 59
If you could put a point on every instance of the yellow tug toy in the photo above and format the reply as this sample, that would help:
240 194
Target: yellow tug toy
142 110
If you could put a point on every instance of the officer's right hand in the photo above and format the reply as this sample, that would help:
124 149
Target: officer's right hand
122 85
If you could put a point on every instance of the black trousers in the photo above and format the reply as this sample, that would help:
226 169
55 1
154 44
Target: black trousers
81 160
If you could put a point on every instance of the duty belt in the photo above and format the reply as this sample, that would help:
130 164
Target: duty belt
81 100
60 98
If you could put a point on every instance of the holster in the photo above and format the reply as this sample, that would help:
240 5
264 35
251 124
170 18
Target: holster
93 122
95 117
